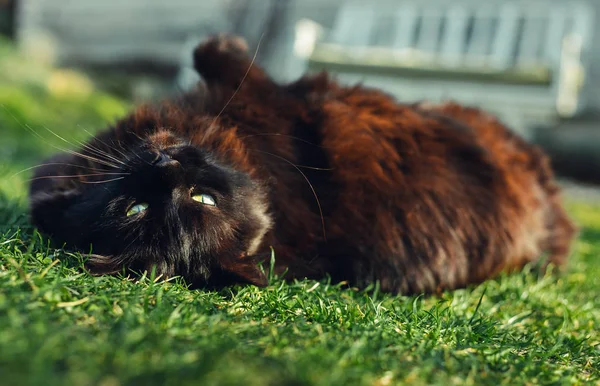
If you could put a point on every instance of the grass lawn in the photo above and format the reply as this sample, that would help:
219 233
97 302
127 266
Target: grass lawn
60 326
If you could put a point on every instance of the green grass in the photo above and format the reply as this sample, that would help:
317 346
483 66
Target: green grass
60 326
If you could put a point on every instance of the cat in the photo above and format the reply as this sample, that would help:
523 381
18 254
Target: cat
336 181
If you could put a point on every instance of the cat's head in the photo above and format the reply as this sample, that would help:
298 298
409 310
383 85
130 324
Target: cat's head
175 207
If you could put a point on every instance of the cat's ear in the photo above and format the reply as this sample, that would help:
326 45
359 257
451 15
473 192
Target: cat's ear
245 270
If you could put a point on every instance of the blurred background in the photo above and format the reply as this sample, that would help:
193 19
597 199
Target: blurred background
534 63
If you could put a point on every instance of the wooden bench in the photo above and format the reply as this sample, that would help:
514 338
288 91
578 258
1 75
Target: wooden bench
523 60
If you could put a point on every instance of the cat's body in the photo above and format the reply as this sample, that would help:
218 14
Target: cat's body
338 180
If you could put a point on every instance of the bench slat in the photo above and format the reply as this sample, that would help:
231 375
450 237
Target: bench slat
483 32
453 45
506 35
532 36
407 18
353 25
431 22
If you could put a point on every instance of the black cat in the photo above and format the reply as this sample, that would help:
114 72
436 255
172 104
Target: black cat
337 180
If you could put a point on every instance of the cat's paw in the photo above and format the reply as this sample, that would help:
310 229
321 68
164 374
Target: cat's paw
222 45
222 58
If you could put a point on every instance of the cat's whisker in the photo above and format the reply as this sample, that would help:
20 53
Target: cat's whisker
136 135
307 181
142 140
78 175
132 241
101 153
31 130
315 168
102 182
36 134
114 148
103 156
93 159
72 152
26 127
241 82
55 163
125 156
58 136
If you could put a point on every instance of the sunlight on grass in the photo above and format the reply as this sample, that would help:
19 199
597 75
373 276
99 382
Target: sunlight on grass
61 326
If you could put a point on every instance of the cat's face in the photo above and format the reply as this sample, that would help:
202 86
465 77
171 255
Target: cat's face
177 208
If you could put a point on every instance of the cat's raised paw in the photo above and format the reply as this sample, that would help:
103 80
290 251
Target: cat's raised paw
224 59
222 44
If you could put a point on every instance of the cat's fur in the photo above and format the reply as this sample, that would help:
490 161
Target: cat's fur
337 180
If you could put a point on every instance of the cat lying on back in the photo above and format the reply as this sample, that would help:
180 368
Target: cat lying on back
337 180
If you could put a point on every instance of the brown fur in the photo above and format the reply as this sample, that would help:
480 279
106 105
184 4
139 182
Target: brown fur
420 197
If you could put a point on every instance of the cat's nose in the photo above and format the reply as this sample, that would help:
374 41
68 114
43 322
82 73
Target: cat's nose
163 160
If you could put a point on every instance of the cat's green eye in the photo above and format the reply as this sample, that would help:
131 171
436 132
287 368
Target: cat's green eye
205 199
137 208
